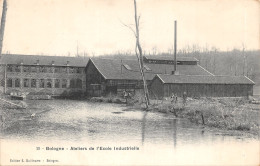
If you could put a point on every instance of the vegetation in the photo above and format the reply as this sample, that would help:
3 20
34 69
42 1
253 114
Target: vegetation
223 113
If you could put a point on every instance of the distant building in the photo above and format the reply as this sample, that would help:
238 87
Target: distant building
113 76
55 75
164 85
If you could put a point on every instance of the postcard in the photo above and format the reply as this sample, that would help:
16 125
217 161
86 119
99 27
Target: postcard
129 82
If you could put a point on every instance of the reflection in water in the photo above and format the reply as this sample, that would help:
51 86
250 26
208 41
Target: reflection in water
94 122
175 133
85 124
143 125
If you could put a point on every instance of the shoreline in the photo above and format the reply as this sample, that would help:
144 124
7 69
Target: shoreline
228 114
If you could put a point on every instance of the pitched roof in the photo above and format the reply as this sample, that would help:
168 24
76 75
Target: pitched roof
195 79
171 58
43 60
116 69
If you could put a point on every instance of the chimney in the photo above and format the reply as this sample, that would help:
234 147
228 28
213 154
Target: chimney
37 62
68 63
175 47
52 63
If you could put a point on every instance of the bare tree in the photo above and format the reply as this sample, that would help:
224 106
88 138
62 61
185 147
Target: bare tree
139 54
2 26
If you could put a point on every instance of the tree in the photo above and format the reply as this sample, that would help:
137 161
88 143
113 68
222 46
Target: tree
139 55
2 26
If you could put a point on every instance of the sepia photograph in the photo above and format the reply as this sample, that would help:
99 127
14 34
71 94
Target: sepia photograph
129 82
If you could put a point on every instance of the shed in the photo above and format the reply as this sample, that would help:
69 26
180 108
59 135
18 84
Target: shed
164 85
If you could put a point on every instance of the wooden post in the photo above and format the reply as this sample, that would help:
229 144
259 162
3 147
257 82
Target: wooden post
5 75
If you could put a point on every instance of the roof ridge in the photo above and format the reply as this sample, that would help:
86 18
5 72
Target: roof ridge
61 56
113 59
204 75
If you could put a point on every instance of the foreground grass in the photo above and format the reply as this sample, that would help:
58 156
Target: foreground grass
223 113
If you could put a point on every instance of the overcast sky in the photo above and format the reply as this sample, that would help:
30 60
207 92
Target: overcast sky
57 27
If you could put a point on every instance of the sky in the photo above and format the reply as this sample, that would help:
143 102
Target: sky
96 27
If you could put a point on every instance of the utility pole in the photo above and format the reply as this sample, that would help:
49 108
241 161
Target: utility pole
175 46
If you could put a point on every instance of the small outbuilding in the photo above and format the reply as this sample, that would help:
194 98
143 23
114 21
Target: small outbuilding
164 85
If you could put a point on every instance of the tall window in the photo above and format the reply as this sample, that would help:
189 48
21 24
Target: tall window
2 82
57 83
9 68
33 83
26 83
17 82
9 83
72 83
48 83
17 68
41 83
57 69
78 83
78 70
64 83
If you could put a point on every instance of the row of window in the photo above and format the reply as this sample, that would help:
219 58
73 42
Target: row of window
138 83
44 69
43 83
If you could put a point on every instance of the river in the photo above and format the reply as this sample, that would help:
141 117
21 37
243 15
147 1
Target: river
85 123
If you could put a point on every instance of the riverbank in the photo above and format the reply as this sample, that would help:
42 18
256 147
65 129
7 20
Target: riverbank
229 113
223 113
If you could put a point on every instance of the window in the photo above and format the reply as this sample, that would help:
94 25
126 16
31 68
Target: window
72 83
33 69
57 83
26 69
2 82
63 69
71 70
33 83
78 83
57 70
9 68
64 83
48 83
41 83
112 82
17 82
127 67
26 83
78 70
17 68
49 69
9 83
42 69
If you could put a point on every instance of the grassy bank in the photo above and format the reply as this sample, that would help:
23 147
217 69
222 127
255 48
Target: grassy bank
224 113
